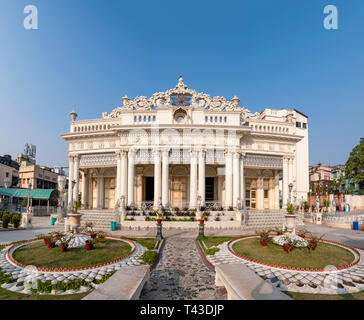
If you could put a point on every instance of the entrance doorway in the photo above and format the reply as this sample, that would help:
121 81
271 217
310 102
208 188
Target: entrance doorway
209 189
109 189
179 191
149 189
251 193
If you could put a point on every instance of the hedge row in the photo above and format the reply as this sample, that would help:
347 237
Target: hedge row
7 217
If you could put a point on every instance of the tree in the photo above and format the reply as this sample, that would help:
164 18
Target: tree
355 164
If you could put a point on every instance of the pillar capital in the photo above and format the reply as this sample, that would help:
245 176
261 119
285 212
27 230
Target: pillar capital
165 152
193 153
237 155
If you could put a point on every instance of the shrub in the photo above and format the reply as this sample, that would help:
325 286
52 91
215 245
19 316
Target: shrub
1 215
15 220
290 209
24 202
212 251
6 219
149 256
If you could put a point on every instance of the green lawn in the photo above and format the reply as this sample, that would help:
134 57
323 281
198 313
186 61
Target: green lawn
39 255
324 255
310 296
149 243
215 241
9 295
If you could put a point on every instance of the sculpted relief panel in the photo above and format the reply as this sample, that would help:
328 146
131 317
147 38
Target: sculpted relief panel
181 96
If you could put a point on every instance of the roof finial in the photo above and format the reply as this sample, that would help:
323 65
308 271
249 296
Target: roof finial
181 83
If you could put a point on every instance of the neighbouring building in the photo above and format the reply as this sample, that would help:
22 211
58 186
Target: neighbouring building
8 172
40 177
25 160
184 148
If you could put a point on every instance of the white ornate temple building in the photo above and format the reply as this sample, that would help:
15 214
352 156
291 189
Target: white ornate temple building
185 148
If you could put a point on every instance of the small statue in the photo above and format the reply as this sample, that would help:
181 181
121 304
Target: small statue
317 205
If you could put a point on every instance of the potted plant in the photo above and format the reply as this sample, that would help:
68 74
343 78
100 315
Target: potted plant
203 218
304 233
89 229
51 243
279 231
159 217
264 237
312 243
290 218
100 236
77 206
64 242
89 245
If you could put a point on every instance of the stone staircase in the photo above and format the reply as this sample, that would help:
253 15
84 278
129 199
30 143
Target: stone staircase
99 219
268 219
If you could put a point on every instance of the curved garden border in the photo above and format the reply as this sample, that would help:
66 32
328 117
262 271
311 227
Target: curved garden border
290 268
45 270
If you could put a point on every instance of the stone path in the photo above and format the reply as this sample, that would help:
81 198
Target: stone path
181 275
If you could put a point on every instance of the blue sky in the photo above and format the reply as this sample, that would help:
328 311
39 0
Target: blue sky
87 54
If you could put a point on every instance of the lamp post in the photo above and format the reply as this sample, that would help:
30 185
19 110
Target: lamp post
310 208
29 188
290 187
73 182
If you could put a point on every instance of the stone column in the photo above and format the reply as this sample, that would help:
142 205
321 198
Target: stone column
70 178
124 175
236 179
118 175
260 194
157 178
201 176
276 189
90 192
242 182
285 182
219 188
100 192
271 193
84 186
76 177
165 178
193 179
228 179
131 178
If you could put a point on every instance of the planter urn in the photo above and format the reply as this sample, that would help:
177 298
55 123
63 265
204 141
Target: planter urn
291 223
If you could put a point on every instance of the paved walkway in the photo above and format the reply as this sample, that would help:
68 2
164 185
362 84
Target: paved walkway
181 274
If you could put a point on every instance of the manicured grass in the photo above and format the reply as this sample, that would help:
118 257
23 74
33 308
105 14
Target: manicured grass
215 241
310 296
324 255
39 255
149 243
9 295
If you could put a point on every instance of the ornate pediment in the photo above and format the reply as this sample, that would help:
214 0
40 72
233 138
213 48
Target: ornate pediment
180 96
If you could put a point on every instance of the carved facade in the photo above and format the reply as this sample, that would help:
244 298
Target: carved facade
179 146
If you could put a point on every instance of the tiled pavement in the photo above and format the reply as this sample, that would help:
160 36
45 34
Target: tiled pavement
182 275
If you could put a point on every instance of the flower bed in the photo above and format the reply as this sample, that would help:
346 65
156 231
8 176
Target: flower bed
68 268
300 253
